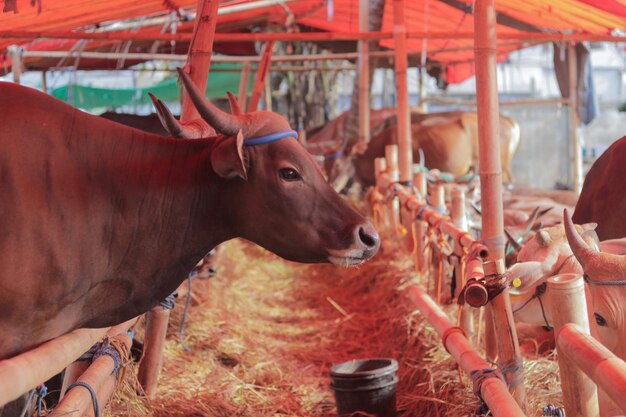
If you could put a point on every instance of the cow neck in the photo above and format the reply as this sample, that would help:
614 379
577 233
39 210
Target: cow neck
166 198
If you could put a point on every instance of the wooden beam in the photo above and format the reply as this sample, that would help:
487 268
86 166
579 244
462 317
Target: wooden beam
25 35
363 81
259 79
243 85
199 55
576 163
491 190
405 148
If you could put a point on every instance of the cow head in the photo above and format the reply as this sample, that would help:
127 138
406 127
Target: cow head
606 275
544 255
276 194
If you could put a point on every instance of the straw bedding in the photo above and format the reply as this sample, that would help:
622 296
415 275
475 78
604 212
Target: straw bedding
266 332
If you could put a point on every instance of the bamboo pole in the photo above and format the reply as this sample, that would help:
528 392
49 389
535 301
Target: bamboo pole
199 55
567 304
303 36
152 359
491 189
459 219
364 80
261 74
576 164
29 369
44 81
243 85
596 361
391 157
419 182
380 167
405 149
493 390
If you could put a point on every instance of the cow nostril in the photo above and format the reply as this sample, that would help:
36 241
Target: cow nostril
369 238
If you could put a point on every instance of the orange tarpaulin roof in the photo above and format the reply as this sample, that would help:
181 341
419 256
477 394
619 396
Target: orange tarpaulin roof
598 17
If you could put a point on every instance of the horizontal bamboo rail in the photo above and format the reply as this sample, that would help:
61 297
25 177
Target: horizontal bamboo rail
518 102
29 369
78 401
603 367
432 216
493 390
303 36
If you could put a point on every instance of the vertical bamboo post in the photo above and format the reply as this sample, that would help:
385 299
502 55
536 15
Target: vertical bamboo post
567 304
491 190
242 96
380 167
439 198
576 164
44 81
259 78
152 359
419 182
16 64
459 218
364 80
422 90
199 55
391 155
402 88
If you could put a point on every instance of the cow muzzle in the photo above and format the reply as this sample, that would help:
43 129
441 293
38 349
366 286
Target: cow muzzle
365 245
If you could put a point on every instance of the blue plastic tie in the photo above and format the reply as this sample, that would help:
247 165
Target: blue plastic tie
261 140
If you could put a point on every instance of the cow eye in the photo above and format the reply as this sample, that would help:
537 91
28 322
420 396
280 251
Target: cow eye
289 174
599 319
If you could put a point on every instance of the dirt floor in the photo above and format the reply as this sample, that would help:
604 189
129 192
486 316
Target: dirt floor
266 331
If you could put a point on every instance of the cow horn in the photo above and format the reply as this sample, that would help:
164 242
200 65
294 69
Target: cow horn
169 122
422 159
516 245
234 104
221 121
531 220
581 250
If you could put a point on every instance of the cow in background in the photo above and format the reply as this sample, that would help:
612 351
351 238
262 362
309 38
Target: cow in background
449 141
603 196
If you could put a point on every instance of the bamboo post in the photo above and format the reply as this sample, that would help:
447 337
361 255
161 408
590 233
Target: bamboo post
567 304
16 64
402 88
199 55
44 81
243 85
364 80
493 390
459 218
29 369
152 358
259 79
419 182
596 361
391 156
439 198
576 164
380 167
491 189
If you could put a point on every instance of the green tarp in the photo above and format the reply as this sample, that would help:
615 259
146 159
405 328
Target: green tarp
89 98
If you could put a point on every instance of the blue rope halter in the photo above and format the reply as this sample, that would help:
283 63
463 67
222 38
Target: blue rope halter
261 140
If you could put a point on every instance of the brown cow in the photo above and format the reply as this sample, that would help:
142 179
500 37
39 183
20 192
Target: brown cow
449 141
99 222
603 197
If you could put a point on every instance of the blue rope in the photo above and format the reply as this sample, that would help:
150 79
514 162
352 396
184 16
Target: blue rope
42 391
103 348
261 140
334 155
94 398
170 301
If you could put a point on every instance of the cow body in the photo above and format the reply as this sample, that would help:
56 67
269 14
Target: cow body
603 196
449 141
149 123
99 222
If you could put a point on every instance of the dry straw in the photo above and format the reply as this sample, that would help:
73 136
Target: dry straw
266 332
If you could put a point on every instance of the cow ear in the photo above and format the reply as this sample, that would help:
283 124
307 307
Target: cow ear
228 160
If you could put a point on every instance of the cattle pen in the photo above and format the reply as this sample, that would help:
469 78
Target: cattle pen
485 295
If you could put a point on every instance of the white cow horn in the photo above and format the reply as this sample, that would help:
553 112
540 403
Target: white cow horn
581 250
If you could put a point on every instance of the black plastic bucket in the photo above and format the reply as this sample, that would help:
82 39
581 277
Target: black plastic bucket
365 387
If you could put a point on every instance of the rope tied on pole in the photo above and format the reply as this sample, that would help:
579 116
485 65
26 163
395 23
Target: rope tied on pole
92 393
512 372
553 410
478 377
41 391
478 292
112 347
170 301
